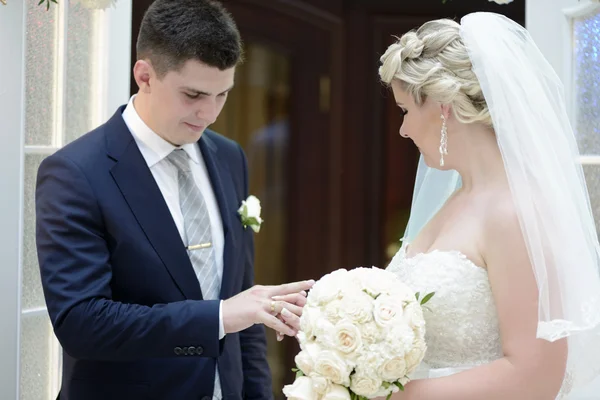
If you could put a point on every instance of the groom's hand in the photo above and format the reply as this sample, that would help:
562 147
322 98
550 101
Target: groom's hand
261 304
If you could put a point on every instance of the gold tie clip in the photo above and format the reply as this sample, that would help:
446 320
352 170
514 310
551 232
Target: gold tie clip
199 246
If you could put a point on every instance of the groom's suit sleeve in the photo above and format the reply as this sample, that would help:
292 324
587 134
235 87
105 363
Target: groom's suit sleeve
257 375
76 274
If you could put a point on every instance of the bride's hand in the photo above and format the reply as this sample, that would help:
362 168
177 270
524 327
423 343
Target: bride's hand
287 317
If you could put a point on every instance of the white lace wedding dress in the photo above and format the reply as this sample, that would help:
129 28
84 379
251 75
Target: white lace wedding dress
462 329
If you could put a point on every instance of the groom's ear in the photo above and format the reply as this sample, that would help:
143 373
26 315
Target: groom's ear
142 73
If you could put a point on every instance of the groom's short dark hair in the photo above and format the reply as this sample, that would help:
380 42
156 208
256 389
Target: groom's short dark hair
175 31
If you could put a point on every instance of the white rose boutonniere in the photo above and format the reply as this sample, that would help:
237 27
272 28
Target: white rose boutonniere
249 213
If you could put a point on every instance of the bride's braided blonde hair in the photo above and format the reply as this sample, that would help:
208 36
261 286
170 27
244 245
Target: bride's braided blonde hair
433 62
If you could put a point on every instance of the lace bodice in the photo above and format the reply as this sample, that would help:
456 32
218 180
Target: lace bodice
462 326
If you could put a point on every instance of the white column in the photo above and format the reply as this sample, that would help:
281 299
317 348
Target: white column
12 49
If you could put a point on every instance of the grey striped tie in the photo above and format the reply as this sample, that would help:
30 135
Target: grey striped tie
197 231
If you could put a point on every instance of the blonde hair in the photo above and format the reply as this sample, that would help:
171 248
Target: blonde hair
433 62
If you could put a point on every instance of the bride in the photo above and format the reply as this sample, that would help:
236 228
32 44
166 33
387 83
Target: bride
501 226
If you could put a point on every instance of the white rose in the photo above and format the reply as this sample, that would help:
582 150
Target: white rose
337 392
413 315
320 383
371 333
333 367
364 385
310 316
374 280
301 389
392 369
334 311
359 308
323 331
329 287
414 357
386 310
346 337
250 213
369 359
253 206
305 360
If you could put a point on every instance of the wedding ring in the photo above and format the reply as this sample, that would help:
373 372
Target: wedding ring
273 308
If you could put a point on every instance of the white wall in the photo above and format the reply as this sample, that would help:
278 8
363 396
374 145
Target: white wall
11 184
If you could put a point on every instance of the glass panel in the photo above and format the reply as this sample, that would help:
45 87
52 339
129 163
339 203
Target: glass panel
39 367
81 75
592 177
32 296
256 115
587 83
40 73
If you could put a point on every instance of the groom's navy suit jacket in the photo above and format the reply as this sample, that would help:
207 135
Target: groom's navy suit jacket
121 292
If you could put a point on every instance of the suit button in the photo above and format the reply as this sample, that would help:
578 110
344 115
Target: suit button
191 351
185 351
199 350
178 351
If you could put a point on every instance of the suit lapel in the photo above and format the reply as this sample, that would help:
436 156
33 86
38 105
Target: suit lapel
222 185
136 183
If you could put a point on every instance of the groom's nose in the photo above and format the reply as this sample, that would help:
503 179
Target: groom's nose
209 112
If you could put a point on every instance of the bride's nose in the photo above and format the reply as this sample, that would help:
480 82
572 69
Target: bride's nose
402 133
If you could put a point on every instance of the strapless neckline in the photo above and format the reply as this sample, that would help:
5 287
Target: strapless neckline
457 253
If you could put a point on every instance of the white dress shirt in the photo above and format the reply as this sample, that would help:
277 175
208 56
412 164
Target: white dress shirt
155 150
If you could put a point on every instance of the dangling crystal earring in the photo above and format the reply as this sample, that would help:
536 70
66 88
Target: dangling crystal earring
443 141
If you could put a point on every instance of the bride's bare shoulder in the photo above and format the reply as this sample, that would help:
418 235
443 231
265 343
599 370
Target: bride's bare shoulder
502 230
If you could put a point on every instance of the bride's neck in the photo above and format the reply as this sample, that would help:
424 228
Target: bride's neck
479 160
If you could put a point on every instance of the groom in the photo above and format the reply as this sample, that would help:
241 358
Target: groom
139 237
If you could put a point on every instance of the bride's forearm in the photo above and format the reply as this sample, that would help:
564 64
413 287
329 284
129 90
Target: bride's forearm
499 380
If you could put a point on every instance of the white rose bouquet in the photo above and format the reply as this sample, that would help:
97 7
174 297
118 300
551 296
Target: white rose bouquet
362 333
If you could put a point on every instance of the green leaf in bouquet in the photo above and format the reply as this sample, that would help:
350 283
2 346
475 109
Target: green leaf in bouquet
427 298
400 386
417 295
298 372
389 396
374 296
